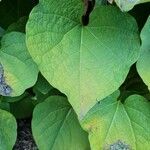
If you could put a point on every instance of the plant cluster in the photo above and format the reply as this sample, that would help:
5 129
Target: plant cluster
79 69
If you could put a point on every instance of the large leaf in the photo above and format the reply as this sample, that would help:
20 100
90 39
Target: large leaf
84 62
126 5
55 126
18 71
143 64
114 126
8 130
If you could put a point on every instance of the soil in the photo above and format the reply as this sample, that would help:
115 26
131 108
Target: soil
25 139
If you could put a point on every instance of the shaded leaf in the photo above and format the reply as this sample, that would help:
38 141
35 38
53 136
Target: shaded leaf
18 26
4 105
23 108
1 32
14 99
42 85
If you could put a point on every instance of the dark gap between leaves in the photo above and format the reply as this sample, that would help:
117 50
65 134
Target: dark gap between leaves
25 139
133 84
88 7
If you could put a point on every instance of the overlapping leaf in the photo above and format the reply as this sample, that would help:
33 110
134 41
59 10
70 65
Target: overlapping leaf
143 64
17 70
126 5
84 62
18 26
8 130
55 126
113 125
42 85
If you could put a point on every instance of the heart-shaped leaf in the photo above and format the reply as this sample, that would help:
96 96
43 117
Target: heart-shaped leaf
114 126
55 126
8 130
17 70
143 63
84 62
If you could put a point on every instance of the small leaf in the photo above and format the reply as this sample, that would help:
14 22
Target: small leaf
1 32
113 125
42 85
8 130
18 26
101 2
4 105
17 70
55 126
143 63
126 5
84 62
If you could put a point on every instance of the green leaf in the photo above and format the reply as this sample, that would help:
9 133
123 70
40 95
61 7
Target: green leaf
42 85
84 62
18 26
55 126
15 99
101 2
1 32
113 125
126 5
8 130
143 62
23 108
4 105
18 71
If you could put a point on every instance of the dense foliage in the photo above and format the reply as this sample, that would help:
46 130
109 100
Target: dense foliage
79 69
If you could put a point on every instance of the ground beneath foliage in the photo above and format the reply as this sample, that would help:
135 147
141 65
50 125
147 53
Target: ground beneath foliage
25 139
